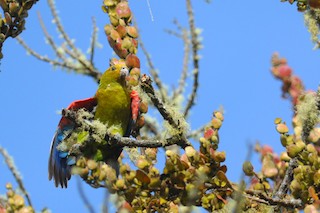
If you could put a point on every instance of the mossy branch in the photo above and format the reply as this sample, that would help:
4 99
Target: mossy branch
263 198
16 174
81 120
146 85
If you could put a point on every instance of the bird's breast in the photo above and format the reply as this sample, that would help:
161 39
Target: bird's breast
113 107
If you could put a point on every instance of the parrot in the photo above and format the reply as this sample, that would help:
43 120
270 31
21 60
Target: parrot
114 104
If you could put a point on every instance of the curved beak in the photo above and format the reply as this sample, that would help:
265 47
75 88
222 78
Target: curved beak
124 72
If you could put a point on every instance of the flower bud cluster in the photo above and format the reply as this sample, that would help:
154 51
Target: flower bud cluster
15 202
306 176
303 5
273 169
121 36
96 173
292 86
307 173
194 178
13 21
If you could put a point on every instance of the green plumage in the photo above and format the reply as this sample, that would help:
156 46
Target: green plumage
113 97
113 108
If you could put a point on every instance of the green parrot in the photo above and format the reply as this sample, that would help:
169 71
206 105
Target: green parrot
114 104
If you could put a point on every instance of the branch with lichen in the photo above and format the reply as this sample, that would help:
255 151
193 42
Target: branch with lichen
16 174
311 11
295 173
289 203
195 178
80 118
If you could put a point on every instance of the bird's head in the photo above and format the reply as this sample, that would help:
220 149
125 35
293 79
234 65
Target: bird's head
115 73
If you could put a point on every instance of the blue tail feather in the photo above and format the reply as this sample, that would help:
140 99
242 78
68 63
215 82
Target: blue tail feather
59 168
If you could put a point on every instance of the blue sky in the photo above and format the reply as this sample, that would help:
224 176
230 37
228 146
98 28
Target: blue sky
239 38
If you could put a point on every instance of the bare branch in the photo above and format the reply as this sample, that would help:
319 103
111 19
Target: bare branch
60 27
83 196
154 74
291 203
49 38
196 132
93 40
151 127
308 125
105 202
184 73
46 59
284 186
88 69
74 52
16 174
195 58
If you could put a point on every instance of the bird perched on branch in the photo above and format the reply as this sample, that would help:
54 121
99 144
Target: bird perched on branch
114 104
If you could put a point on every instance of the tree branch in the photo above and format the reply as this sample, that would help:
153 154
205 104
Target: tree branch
46 59
124 141
153 72
9 161
90 70
195 57
291 203
83 196
93 40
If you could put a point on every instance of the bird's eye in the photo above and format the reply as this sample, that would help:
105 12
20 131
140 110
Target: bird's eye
113 68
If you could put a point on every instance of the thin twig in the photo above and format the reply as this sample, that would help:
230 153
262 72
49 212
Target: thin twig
105 202
49 38
195 133
151 127
10 163
253 198
93 40
291 203
83 196
195 58
44 58
174 33
284 186
87 67
60 27
182 34
91 70
153 72
184 73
